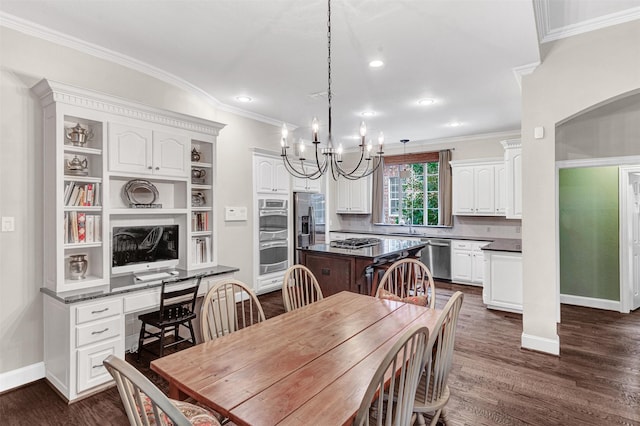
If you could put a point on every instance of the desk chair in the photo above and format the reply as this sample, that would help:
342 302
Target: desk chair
299 288
433 392
408 280
393 401
177 308
145 404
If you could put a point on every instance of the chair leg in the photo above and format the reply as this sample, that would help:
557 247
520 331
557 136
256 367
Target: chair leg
436 416
193 334
162 331
140 340
421 421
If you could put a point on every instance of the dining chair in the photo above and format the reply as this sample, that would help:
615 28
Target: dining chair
229 306
433 392
177 308
389 398
299 288
146 405
408 280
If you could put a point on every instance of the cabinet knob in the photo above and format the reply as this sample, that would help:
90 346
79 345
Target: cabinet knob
157 168
149 167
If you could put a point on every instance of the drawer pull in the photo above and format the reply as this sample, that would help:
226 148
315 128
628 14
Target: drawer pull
98 366
99 332
100 311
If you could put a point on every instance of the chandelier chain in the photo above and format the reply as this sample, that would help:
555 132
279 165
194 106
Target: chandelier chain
329 62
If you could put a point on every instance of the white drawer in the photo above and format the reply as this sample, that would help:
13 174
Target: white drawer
461 245
91 371
99 310
139 302
98 330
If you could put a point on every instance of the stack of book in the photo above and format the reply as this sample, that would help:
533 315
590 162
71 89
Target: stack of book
200 249
82 194
200 221
82 228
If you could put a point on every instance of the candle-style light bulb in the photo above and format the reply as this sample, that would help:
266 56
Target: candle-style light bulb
340 149
363 131
380 142
301 146
314 128
285 133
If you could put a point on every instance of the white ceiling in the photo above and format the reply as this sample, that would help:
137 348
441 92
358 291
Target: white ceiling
462 53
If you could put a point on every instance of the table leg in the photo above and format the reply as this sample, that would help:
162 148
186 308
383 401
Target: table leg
176 393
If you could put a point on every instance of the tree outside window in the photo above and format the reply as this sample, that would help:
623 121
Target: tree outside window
412 193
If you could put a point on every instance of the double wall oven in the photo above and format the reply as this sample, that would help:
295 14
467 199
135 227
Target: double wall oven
274 232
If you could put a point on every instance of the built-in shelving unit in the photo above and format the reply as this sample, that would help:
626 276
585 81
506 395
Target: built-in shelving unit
94 146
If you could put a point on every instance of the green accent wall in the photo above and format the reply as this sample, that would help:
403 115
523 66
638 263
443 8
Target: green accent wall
589 234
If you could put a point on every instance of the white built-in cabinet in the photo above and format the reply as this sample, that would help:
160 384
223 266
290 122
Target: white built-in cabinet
124 141
474 187
500 188
503 281
271 176
353 196
306 185
146 151
513 188
467 262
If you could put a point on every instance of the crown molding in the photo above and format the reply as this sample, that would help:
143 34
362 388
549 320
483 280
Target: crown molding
523 70
547 34
509 134
52 91
47 34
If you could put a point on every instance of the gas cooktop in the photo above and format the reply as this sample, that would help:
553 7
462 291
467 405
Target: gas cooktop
355 243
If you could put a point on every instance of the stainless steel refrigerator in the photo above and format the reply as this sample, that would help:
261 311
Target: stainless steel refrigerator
308 220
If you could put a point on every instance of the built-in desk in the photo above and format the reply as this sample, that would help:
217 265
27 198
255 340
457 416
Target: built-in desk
82 328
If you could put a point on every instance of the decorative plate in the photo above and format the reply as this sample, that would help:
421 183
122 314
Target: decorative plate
140 192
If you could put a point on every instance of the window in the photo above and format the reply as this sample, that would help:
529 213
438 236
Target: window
411 192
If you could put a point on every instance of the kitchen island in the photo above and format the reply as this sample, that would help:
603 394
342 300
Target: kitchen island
338 269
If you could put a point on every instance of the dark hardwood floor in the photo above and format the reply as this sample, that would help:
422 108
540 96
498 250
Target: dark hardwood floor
595 381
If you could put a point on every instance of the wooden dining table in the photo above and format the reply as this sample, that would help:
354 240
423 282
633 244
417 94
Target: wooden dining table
309 366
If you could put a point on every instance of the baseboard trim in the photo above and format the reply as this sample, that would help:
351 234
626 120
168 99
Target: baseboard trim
21 376
590 302
541 344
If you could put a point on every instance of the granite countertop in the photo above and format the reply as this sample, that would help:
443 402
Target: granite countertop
495 244
126 284
383 249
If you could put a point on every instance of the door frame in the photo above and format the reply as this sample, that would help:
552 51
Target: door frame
626 239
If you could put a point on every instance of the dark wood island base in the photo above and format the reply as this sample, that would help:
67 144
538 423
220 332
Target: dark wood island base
339 269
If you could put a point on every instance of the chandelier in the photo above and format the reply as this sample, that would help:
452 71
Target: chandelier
329 158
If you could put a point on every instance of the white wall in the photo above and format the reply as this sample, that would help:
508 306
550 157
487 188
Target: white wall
576 74
24 61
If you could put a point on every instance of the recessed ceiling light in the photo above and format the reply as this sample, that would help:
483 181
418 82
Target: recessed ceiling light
376 63
455 124
368 113
426 101
243 99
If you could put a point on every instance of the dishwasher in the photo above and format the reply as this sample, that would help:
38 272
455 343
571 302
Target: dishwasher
437 257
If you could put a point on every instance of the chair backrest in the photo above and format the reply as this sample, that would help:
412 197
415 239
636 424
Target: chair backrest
179 302
408 277
144 403
401 368
229 306
439 354
299 288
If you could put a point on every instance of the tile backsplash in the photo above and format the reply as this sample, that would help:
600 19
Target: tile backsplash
464 226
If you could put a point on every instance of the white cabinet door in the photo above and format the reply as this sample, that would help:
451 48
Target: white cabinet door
501 189
281 177
171 154
513 184
271 175
517 184
503 283
354 196
484 190
461 262
264 168
130 149
477 264
463 189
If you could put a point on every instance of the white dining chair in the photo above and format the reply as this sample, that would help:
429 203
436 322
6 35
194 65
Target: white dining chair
227 307
299 288
389 398
433 392
408 280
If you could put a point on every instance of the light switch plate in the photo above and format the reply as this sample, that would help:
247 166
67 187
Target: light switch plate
8 224
235 214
